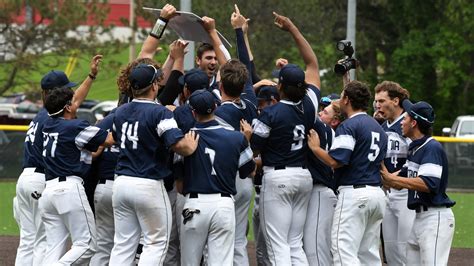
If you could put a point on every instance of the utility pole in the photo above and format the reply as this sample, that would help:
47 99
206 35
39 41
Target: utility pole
185 5
131 54
351 28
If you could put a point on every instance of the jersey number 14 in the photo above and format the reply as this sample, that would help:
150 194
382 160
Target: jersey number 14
130 133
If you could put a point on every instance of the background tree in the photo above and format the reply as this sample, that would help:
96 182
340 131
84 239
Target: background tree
50 28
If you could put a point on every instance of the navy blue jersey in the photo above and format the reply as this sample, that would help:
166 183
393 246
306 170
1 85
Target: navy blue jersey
33 146
144 130
427 160
397 149
107 161
214 89
220 155
229 114
183 115
67 146
280 132
314 94
320 172
360 145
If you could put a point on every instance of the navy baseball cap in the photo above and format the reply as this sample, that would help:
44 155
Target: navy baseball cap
143 75
202 102
326 100
56 79
268 93
292 75
421 111
195 79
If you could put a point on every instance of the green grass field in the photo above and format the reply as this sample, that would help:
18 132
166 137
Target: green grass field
463 212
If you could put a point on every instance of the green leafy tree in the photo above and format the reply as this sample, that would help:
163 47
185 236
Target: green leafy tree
50 28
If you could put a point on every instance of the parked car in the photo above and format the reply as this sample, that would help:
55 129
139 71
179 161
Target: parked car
463 127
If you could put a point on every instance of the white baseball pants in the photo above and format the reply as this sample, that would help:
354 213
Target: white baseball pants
104 221
317 230
355 232
430 239
32 235
66 212
396 227
140 205
242 199
283 205
214 225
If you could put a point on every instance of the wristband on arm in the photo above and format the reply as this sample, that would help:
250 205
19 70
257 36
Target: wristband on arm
159 28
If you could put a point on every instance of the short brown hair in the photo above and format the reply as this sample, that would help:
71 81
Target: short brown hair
234 75
122 81
394 90
358 94
202 48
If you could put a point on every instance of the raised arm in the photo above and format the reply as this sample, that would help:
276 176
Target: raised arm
172 88
221 52
153 40
309 57
81 93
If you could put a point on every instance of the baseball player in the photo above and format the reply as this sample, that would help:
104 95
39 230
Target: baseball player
31 182
331 115
426 167
398 219
267 96
209 186
144 130
67 147
238 103
317 229
279 137
104 215
356 154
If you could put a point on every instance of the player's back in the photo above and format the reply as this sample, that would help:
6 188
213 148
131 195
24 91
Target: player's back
280 132
67 146
144 130
360 145
320 172
213 167
229 114
34 141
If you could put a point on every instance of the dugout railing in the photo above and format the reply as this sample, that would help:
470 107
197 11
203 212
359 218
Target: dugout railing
460 152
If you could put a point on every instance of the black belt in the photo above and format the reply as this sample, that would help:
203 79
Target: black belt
424 208
39 170
104 180
358 186
193 195
282 167
51 177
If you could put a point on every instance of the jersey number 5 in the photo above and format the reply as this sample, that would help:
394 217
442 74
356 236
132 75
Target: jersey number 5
374 147
130 132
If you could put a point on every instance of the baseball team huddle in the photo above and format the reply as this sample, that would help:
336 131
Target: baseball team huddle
173 169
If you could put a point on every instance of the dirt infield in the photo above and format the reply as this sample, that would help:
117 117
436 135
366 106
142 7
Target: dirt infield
8 245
